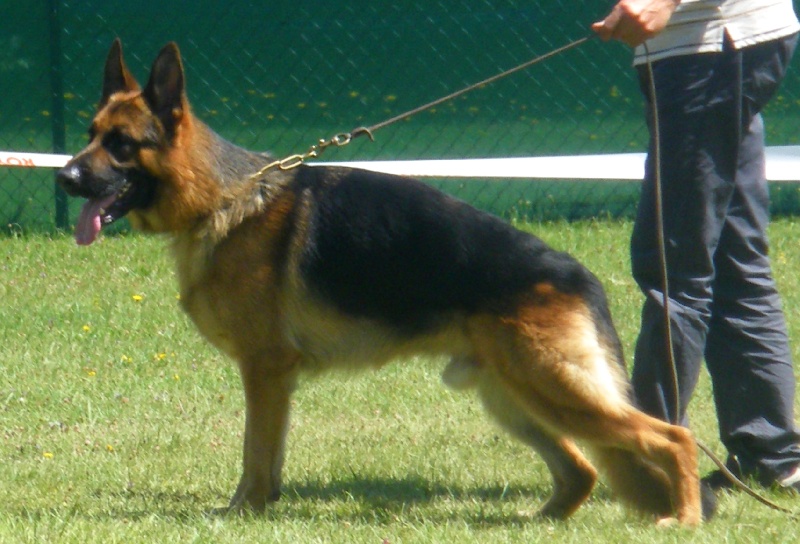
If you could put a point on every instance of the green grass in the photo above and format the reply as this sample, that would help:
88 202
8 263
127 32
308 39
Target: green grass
119 424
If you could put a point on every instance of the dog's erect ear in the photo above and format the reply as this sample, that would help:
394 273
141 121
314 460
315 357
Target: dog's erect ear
164 92
117 77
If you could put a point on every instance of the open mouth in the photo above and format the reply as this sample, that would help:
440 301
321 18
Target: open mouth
102 211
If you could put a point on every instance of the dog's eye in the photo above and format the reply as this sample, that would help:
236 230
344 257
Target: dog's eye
120 145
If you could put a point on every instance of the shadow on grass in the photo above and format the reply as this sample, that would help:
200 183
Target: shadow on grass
349 499
379 500
405 490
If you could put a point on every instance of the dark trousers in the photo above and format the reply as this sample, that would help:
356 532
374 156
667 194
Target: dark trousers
724 306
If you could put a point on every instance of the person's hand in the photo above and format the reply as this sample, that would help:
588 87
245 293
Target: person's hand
634 21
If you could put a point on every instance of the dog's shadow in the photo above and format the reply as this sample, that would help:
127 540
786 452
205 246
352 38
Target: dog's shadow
366 500
383 500
404 490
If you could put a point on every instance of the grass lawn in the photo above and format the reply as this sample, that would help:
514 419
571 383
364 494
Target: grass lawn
119 424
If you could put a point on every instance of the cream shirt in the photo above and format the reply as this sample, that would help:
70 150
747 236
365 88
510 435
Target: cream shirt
700 26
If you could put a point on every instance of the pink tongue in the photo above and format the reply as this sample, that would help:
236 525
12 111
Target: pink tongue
89 223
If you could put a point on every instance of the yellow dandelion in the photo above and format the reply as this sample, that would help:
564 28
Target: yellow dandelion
109 448
86 328
176 377
91 373
48 455
137 298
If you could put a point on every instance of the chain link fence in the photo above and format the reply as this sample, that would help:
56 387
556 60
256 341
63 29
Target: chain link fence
280 75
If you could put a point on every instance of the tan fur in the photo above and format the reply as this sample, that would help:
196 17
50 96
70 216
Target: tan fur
543 371
645 457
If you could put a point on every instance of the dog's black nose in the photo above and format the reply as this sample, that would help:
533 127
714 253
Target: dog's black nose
69 178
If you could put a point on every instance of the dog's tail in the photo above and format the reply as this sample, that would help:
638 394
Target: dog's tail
643 485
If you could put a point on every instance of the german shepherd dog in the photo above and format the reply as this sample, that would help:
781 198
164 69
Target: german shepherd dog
320 267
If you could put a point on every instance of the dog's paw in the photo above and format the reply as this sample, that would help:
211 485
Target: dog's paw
672 522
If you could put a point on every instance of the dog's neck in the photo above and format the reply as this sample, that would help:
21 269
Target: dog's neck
225 163
229 172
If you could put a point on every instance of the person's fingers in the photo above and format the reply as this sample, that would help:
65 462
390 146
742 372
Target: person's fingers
617 27
608 27
602 30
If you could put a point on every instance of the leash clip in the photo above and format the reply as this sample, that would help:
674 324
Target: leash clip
339 140
293 161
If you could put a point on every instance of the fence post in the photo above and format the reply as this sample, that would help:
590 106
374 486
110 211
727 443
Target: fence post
57 106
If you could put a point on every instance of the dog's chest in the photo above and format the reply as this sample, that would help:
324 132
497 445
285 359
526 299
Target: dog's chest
192 265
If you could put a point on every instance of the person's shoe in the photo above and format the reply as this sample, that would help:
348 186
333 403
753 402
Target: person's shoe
791 482
717 480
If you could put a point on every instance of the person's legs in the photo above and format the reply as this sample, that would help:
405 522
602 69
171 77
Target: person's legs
747 349
723 302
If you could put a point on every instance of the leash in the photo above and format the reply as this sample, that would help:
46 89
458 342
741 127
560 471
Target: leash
344 138
662 257
660 235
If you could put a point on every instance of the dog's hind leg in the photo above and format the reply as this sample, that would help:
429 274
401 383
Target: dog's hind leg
267 393
566 379
573 475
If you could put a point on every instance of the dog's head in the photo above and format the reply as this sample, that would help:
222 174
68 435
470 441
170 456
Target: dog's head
130 138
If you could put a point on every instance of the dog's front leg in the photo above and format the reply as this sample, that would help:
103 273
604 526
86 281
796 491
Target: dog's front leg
268 387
